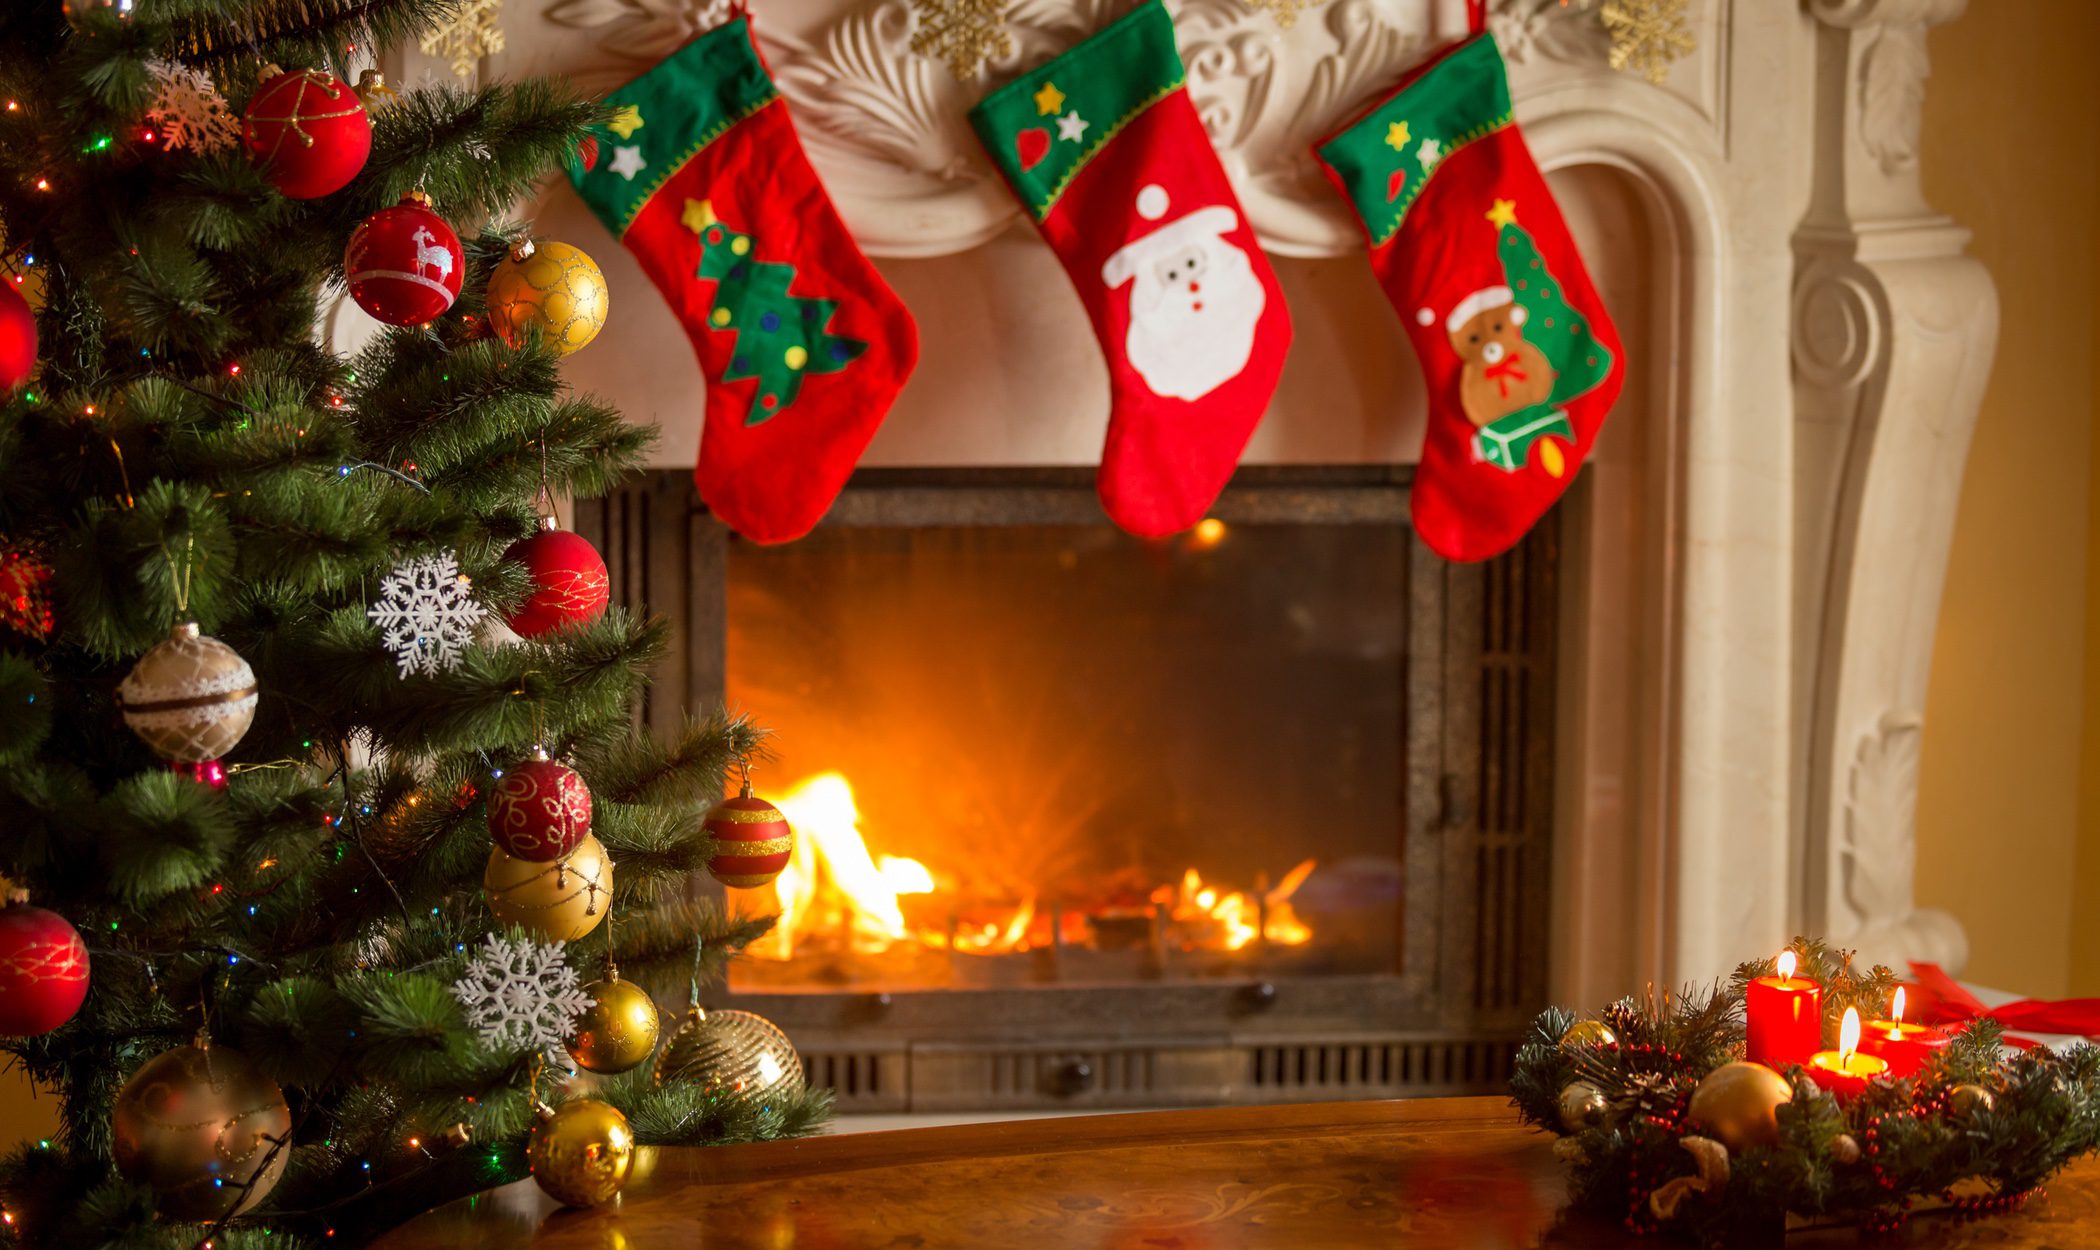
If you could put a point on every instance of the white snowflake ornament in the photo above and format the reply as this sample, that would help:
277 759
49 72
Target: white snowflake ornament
426 614
521 995
188 110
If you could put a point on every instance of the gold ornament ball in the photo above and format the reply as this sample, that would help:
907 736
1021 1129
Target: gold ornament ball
1588 1033
557 901
1845 1148
618 1031
196 1124
550 285
732 1052
1582 1106
191 698
1965 1100
582 1152
1739 1104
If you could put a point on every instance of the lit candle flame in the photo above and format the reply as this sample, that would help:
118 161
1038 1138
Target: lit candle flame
1786 965
1896 1006
1848 1037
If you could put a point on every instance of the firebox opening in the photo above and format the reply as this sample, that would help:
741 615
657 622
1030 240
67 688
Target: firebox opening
1030 751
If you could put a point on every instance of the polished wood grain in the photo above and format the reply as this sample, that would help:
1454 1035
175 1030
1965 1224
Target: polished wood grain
1454 1174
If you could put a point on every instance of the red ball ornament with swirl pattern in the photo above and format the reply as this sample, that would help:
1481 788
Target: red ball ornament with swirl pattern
570 584
308 133
539 810
43 969
752 840
17 338
404 264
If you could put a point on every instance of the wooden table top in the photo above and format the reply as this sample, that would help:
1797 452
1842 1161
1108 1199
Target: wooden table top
1450 1173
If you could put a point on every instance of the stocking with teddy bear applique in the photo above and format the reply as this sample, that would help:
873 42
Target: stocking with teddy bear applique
1521 359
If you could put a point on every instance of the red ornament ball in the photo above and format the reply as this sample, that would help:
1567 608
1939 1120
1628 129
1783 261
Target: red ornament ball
404 263
752 841
308 132
17 338
539 810
25 593
43 970
569 581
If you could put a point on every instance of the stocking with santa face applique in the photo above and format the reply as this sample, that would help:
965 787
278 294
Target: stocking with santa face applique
700 174
1104 149
1521 359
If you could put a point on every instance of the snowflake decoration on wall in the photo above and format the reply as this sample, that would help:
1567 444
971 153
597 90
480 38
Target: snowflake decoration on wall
964 33
1646 35
1284 12
521 995
426 614
472 33
188 110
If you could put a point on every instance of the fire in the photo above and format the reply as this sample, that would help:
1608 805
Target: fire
836 889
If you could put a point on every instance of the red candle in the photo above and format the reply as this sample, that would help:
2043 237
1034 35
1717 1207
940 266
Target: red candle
1906 1047
1844 1071
1785 1017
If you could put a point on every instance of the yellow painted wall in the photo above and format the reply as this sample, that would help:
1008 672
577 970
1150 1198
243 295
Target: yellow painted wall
2012 150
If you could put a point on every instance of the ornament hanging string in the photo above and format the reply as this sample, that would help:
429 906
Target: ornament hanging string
179 575
123 475
1476 16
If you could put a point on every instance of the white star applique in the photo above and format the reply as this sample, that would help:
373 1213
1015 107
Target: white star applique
1428 152
1071 126
627 162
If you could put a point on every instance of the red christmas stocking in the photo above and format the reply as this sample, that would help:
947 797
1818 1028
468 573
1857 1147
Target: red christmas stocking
1521 359
1105 150
804 346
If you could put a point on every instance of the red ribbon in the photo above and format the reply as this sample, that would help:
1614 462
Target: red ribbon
1477 15
1937 998
1505 369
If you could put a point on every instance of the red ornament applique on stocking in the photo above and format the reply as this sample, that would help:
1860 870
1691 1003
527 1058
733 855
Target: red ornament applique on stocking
1108 155
804 346
1521 359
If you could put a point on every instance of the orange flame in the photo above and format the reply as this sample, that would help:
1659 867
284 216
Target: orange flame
1896 1006
1848 1035
833 885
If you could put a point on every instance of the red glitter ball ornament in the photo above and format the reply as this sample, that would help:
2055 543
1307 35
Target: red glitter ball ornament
752 841
17 338
25 594
43 969
570 584
308 132
539 810
404 263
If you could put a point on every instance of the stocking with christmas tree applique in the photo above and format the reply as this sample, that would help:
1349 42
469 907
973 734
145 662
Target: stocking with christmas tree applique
1105 151
1521 359
701 175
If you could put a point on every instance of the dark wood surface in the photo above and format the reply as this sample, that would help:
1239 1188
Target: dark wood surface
1455 1174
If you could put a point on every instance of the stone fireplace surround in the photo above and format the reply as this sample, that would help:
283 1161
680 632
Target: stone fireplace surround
1753 573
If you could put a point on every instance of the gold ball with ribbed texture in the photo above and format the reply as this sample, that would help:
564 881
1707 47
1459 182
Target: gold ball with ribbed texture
557 901
550 285
190 698
730 1052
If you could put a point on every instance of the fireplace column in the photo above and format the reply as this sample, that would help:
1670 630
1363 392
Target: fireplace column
1893 332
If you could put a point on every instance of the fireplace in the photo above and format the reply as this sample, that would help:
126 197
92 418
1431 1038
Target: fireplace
1260 812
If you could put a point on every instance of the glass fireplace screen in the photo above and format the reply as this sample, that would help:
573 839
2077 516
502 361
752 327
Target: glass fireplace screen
1017 753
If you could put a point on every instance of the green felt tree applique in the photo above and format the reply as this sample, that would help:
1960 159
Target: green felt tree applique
779 336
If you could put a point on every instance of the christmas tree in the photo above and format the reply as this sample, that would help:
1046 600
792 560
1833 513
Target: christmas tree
780 336
1561 333
276 831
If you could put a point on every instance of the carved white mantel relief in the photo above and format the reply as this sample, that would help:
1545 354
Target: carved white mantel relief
1754 572
1894 329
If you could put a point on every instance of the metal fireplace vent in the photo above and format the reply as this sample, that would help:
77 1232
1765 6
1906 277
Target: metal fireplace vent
1474 771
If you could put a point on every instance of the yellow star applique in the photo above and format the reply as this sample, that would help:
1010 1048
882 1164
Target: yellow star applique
1396 136
1504 213
1049 99
626 121
699 215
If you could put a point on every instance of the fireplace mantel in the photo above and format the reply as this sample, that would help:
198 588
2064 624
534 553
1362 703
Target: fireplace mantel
1751 598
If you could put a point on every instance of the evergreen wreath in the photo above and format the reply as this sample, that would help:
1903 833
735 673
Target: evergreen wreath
1975 1130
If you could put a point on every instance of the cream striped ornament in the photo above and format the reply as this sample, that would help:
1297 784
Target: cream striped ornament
191 698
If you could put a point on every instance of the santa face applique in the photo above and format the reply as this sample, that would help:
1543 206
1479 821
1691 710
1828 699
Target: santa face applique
1194 299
